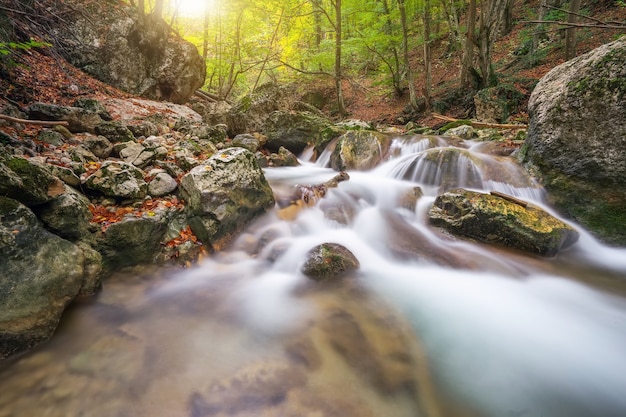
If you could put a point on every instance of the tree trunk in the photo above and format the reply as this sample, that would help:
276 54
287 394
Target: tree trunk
341 107
427 56
467 62
570 33
405 52
205 36
158 8
141 6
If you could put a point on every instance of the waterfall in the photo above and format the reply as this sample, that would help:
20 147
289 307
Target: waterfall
428 326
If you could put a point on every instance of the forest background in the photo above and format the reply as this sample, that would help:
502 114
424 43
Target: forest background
386 60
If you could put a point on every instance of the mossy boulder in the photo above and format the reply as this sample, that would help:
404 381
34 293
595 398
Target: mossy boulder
329 261
576 141
359 150
495 220
40 273
295 131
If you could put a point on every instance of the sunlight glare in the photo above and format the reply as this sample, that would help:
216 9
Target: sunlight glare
195 8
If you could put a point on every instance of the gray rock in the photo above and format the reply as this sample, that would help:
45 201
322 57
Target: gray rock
360 150
99 146
40 273
94 106
114 132
51 137
133 240
577 139
118 179
329 261
295 131
463 132
79 120
496 220
224 194
67 215
138 54
82 155
162 184
283 158
65 174
246 140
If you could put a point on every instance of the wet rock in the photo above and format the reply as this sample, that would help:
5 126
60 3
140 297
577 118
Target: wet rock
40 274
67 215
576 139
118 179
359 150
408 199
225 193
355 124
162 184
329 261
496 220
93 270
295 131
28 182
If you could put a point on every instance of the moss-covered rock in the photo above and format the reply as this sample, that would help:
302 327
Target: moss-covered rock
495 220
26 181
294 131
359 150
329 261
40 273
577 139
118 179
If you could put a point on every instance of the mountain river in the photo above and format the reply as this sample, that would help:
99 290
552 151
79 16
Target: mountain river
429 325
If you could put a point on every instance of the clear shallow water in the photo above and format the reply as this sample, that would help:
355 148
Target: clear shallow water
428 326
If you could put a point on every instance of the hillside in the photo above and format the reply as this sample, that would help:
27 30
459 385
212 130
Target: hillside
41 74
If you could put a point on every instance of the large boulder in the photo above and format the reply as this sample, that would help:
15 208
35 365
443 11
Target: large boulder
296 130
40 273
502 221
137 54
577 139
359 150
224 194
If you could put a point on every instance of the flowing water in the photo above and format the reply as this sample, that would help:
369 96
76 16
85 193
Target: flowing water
428 326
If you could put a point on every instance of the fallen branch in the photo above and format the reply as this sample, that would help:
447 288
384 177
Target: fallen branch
510 198
211 97
33 122
482 124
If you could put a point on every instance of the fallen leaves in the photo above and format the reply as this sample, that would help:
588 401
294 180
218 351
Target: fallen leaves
106 216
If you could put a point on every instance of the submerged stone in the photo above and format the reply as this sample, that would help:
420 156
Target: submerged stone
492 219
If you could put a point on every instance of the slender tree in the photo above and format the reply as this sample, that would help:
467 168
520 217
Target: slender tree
570 32
427 55
341 106
405 55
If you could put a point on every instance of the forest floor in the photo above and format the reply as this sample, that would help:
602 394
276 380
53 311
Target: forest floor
42 76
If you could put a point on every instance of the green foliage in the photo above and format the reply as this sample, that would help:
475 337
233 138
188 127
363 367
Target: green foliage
6 48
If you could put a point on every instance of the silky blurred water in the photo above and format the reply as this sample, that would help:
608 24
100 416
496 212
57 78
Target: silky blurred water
428 326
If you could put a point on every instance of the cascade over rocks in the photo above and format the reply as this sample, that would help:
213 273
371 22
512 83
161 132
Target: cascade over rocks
40 273
492 219
577 139
137 54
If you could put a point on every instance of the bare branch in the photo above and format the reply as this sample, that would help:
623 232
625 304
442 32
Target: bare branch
32 122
